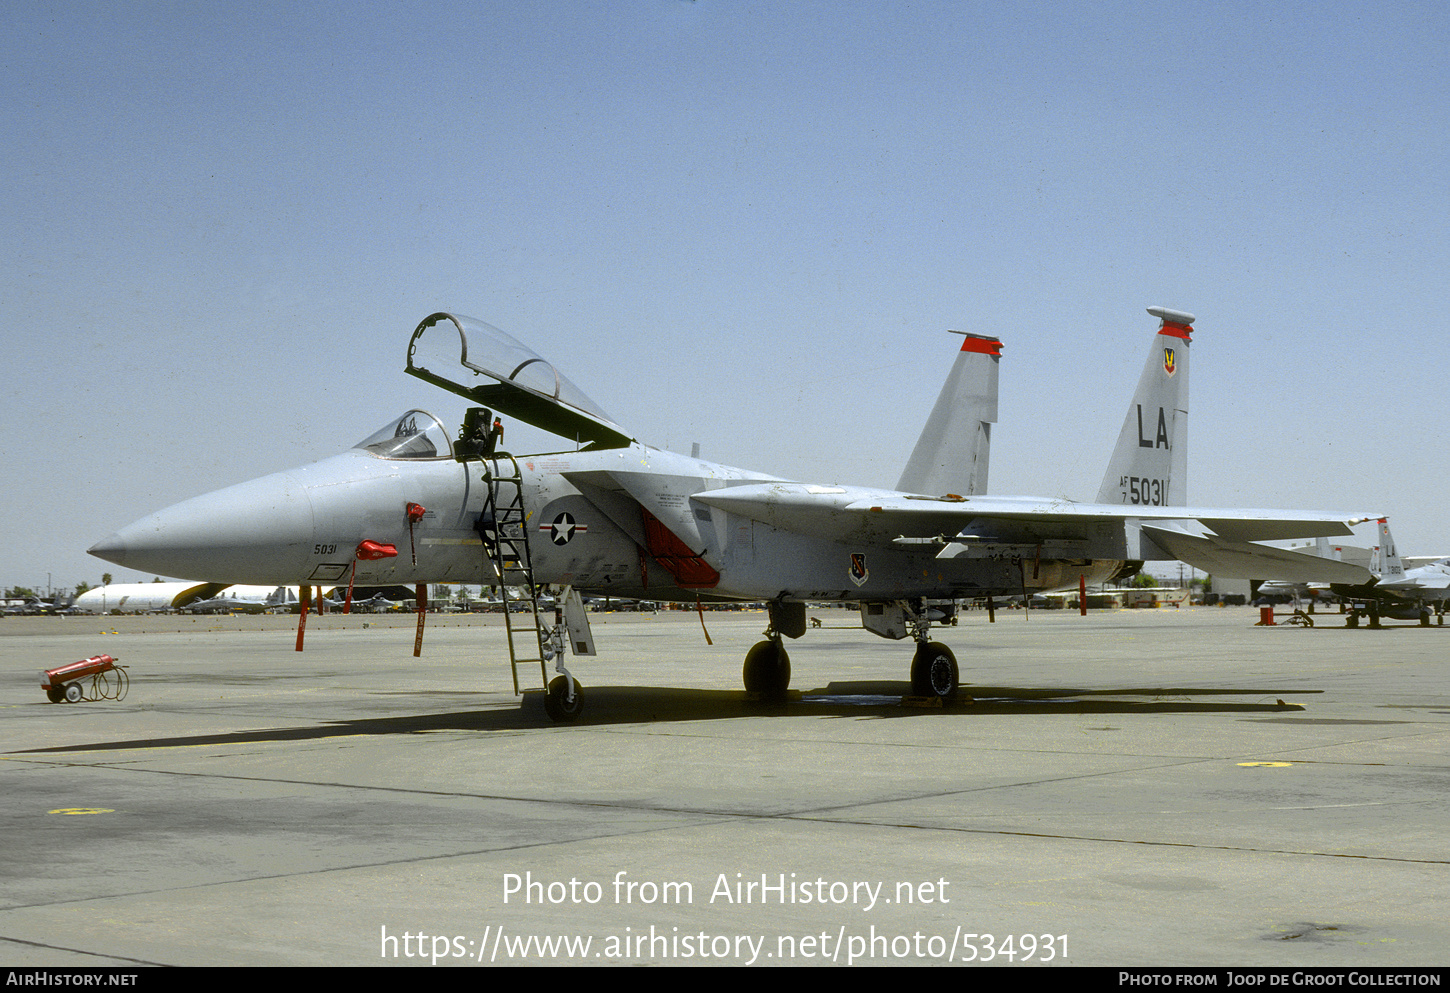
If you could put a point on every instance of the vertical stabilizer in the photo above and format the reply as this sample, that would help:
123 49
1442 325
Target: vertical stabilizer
951 454
1387 566
1150 464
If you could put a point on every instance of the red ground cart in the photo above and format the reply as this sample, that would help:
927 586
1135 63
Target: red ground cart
108 680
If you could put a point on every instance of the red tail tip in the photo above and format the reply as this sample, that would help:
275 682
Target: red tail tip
981 343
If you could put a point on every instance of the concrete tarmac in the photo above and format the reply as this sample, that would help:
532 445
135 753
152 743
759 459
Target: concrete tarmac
1133 788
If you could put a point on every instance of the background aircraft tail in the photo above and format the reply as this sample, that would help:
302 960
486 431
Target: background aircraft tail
1387 565
952 453
1150 464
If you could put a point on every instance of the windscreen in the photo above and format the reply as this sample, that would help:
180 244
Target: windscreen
415 435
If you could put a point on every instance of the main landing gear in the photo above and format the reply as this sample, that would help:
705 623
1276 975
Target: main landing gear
934 670
767 669
1415 612
767 666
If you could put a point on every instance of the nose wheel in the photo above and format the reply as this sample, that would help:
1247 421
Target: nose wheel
564 700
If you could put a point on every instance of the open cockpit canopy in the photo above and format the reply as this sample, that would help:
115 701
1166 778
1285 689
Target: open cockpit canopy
522 384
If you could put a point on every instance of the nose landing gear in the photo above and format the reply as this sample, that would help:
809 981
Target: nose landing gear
564 700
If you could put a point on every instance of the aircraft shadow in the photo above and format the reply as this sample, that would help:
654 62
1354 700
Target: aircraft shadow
876 700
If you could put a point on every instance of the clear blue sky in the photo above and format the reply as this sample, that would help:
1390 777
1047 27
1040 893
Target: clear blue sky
746 225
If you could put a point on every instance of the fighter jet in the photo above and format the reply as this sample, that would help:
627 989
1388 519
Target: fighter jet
1387 584
376 604
612 516
245 600
1393 590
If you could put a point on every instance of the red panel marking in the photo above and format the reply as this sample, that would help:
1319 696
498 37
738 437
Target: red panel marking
689 569
1176 331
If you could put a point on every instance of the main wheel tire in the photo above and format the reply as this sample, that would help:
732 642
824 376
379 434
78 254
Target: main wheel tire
557 707
767 670
56 694
934 671
73 693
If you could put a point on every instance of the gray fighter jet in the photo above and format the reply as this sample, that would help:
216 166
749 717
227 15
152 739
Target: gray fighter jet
612 516
1394 591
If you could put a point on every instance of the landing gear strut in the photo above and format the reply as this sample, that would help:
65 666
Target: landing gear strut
563 697
767 666
934 670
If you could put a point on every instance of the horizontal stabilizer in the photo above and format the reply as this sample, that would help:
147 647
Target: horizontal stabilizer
1229 558
1241 527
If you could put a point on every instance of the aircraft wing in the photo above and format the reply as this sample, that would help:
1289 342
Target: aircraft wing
524 385
1222 541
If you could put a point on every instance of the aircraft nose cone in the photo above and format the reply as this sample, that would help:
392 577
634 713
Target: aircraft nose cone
112 548
245 533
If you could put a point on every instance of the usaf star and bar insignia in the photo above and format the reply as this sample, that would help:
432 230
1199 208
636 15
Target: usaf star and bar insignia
563 528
